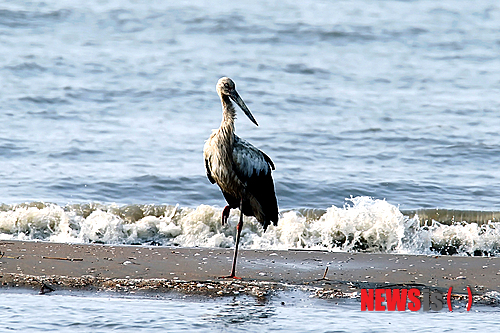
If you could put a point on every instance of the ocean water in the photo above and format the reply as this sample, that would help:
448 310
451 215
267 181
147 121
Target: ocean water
289 312
390 104
381 117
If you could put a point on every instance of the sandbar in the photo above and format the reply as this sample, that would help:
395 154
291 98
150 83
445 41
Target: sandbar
48 266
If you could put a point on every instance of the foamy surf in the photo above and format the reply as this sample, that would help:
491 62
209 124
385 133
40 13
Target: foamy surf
362 224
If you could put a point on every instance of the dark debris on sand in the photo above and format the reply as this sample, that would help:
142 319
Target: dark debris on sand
48 284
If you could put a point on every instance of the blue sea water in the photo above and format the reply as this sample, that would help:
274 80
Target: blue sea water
105 106
111 101
290 312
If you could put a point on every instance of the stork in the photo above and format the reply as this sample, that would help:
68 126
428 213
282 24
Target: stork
242 171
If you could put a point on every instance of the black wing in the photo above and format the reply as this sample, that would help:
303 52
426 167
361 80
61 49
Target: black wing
253 167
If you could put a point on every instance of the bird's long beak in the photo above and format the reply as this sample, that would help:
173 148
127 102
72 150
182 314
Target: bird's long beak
237 99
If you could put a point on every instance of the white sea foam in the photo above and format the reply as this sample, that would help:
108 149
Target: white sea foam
363 224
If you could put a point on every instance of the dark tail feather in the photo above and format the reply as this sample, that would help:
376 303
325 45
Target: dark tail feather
267 222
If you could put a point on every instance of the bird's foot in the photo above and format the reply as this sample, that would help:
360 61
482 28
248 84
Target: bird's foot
225 214
229 277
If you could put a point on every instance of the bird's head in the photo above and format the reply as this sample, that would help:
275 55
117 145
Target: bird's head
226 87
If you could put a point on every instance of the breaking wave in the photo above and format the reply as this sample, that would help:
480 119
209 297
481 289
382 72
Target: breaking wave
362 224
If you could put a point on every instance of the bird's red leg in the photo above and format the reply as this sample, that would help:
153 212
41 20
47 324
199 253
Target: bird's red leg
238 233
225 214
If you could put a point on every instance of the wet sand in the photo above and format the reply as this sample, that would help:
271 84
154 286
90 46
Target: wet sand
52 266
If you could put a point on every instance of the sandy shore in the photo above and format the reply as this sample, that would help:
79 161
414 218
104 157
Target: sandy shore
47 266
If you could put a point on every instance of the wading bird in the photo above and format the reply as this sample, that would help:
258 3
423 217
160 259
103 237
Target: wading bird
242 171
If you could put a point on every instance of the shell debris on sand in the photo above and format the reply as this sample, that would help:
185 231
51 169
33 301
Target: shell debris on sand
92 283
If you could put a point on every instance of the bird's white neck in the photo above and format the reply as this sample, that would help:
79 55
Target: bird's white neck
228 115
